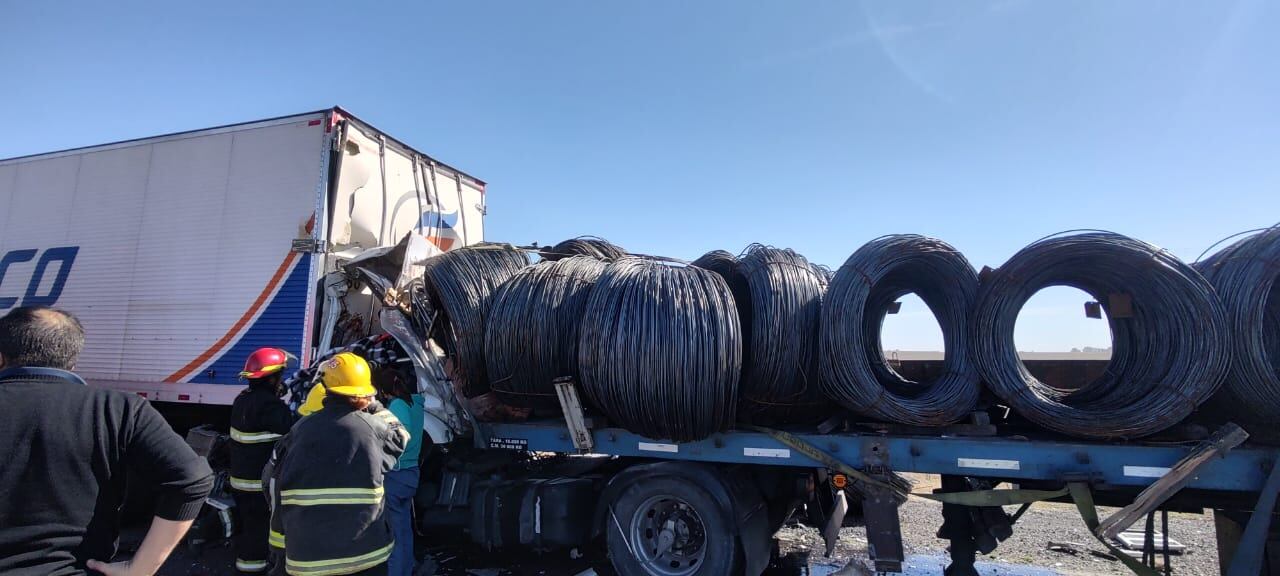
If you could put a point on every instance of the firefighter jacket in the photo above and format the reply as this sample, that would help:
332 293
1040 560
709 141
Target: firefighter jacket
326 489
258 420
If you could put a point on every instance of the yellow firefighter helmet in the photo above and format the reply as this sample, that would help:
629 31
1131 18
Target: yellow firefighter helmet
347 375
314 401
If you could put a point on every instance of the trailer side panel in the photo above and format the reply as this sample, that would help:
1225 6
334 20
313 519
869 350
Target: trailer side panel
175 252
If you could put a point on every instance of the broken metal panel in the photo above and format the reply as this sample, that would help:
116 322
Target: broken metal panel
385 190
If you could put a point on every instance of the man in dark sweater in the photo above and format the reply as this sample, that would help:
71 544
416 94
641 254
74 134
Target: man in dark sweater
66 449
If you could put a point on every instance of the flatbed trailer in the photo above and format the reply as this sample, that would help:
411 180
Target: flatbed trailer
1230 483
1105 465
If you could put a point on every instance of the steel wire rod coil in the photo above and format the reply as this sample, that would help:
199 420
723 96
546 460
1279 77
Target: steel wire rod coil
1170 348
660 349
727 266
855 372
461 284
1245 275
583 246
825 272
778 294
532 333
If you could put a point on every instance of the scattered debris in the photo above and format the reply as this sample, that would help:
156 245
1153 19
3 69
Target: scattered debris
854 567
1071 548
1136 540
1103 555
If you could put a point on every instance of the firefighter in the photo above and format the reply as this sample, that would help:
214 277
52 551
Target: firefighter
314 401
326 478
258 419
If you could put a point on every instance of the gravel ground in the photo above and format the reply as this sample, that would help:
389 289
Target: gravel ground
1022 552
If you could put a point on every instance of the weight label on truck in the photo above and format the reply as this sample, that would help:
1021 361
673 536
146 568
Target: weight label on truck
767 452
656 447
1145 471
988 464
509 444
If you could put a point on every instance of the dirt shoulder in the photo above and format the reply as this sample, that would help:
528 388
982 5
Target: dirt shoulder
1026 548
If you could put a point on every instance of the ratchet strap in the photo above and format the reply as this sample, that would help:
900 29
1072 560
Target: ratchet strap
861 481
1084 504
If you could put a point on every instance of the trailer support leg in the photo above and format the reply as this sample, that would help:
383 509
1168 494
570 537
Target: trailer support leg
1227 531
884 531
1249 554
957 526
1164 528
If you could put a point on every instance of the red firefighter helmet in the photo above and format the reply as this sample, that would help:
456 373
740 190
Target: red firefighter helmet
264 362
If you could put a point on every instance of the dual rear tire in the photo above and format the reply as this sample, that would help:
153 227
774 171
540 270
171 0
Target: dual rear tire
670 526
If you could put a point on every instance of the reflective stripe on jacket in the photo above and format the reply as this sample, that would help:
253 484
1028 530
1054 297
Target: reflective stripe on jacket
246 485
258 420
254 437
251 565
326 489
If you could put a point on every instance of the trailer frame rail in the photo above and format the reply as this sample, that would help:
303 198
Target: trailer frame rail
1244 469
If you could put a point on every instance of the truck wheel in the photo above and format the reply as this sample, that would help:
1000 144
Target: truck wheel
668 526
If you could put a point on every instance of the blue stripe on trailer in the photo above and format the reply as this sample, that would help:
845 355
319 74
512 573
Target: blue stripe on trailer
1243 469
279 326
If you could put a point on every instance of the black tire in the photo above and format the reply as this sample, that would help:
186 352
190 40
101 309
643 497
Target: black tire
707 546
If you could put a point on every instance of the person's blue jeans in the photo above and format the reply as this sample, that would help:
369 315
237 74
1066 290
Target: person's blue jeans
400 486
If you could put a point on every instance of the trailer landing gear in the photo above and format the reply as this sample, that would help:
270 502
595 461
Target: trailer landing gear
970 529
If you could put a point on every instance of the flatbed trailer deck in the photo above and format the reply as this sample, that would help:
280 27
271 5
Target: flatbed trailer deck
1133 464
1235 483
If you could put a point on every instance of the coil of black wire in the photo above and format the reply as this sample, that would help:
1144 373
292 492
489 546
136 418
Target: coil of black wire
1245 275
532 333
727 266
583 246
825 272
461 284
1170 348
778 294
855 372
660 349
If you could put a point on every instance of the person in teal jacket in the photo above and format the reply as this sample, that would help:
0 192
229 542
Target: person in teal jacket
401 482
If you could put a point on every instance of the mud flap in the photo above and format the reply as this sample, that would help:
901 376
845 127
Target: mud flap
831 532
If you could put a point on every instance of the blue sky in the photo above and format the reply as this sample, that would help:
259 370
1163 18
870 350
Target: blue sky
678 127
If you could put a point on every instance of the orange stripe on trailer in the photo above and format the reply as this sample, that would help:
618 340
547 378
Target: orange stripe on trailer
258 303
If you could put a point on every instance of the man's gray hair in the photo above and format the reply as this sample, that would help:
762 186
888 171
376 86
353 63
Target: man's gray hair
40 337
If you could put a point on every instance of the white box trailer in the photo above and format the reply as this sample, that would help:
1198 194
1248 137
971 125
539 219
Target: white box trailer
182 253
